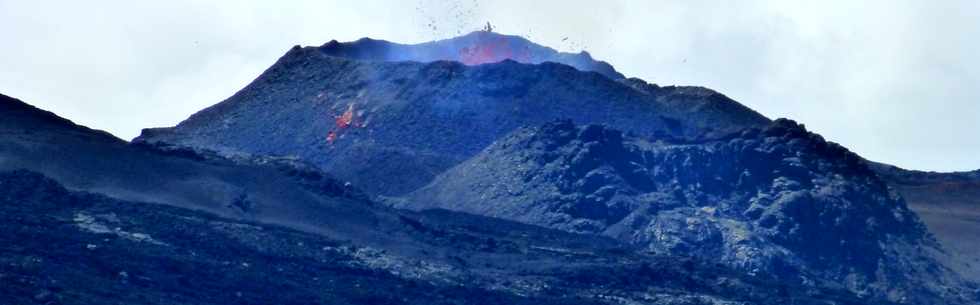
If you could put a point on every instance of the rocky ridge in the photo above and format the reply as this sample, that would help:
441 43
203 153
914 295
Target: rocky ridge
778 200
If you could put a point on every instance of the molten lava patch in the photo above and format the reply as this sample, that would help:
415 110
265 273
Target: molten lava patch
345 120
495 49
342 122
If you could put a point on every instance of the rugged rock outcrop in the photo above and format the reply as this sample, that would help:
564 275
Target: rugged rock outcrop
778 201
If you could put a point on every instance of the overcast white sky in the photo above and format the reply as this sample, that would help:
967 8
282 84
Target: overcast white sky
896 81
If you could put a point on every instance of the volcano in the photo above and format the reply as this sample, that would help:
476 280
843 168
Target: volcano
479 169
444 126
418 119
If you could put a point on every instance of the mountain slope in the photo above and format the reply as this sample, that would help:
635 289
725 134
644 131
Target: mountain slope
777 201
390 127
949 204
63 247
309 240
256 188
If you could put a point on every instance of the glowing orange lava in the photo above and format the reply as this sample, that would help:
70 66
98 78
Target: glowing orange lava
345 120
494 49
342 122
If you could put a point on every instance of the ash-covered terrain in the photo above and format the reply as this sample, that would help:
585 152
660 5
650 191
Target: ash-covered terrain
474 170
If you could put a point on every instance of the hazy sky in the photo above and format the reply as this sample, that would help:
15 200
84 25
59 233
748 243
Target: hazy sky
896 81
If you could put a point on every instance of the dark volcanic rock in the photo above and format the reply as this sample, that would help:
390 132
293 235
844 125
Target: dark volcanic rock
390 127
778 201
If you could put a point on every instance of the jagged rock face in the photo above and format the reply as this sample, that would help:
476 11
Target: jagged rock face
778 201
390 127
